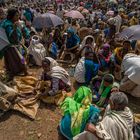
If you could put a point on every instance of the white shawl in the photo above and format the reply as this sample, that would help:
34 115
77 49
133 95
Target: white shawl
53 62
114 126
131 67
84 43
60 73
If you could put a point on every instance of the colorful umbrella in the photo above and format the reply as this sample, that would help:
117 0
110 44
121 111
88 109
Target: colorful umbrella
74 14
47 20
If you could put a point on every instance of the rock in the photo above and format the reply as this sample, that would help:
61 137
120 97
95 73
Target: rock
21 133
31 132
38 119
39 135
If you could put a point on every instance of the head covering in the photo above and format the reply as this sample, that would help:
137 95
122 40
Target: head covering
85 39
53 62
71 30
60 73
106 46
111 21
73 40
35 40
77 112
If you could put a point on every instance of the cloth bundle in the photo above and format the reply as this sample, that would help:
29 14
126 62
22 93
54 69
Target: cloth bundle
27 99
37 50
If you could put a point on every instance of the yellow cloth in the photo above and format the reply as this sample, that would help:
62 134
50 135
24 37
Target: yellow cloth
137 118
56 99
133 21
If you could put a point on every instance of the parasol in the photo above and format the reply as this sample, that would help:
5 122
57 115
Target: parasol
131 33
47 20
74 14
3 39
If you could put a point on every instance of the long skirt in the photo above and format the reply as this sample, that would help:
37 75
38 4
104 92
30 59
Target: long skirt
14 61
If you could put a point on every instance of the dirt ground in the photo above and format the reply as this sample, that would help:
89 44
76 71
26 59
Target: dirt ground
16 126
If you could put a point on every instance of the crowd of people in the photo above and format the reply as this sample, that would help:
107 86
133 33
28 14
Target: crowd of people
85 52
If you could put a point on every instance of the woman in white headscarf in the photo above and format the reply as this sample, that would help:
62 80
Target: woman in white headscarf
87 43
59 77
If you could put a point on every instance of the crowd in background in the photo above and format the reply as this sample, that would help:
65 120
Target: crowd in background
104 66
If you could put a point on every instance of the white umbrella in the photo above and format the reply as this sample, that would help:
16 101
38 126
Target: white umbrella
3 39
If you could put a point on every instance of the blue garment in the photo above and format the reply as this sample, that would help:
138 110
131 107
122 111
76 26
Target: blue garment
54 50
73 40
8 26
88 5
27 32
104 64
106 32
28 14
133 44
91 70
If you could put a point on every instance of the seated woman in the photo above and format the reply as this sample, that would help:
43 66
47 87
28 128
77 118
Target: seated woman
104 57
73 40
116 60
58 76
87 43
71 44
117 123
130 82
57 37
78 111
14 61
102 89
87 68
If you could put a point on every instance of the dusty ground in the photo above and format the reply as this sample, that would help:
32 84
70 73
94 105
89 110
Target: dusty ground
15 126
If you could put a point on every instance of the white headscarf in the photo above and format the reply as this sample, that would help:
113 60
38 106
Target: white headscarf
84 43
53 62
58 72
85 39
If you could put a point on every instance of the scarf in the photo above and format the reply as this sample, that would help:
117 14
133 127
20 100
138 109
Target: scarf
73 40
104 93
53 62
60 73
85 40
78 111
91 70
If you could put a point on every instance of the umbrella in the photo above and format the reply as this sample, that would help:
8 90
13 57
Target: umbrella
47 20
3 39
74 14
131 33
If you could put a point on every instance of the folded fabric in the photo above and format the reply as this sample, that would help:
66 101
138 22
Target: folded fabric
27 100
